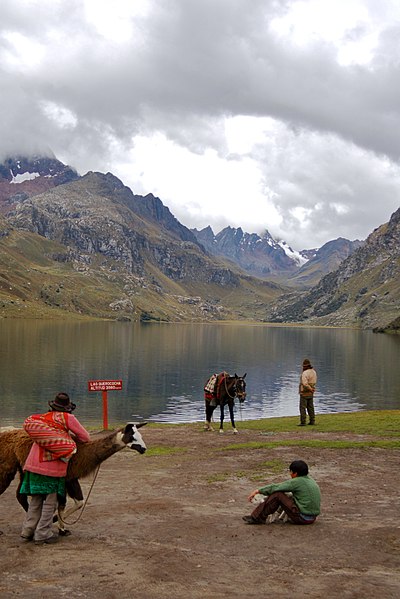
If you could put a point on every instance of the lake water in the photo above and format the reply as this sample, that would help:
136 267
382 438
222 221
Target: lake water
163 368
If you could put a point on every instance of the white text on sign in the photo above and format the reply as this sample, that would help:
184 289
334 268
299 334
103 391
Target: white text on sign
104 385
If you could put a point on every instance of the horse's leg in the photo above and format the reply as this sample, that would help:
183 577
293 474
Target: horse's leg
209 412
221 423
231 414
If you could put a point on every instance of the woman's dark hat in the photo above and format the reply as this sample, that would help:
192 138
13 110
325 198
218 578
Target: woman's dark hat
62 403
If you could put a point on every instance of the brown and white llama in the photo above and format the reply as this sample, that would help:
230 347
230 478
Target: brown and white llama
15 446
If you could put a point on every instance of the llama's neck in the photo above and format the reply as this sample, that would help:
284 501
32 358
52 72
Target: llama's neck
106 446
92 454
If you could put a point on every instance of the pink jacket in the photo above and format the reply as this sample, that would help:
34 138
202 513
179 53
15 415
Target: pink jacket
55 467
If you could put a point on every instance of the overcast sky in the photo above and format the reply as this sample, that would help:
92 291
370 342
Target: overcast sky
266 114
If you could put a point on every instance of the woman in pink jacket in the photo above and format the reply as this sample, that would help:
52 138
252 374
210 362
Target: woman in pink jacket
46 467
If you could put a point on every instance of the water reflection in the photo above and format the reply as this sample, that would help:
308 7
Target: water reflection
164 367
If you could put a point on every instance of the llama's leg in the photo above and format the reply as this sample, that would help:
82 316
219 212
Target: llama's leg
232 416
74 491
63 513
22 499
209 412
7 474
61 503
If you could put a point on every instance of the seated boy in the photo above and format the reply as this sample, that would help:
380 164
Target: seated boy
302 507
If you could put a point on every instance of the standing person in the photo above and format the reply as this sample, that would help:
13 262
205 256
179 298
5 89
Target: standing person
45 470
302 507
308 381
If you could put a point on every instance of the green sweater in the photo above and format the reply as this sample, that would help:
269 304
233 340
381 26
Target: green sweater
306 493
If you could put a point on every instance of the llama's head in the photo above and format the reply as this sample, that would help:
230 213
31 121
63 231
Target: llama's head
132 438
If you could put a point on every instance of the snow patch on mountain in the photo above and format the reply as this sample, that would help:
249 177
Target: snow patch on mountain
21 177
293 254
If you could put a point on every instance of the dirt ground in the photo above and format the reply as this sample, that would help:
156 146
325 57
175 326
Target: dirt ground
169 525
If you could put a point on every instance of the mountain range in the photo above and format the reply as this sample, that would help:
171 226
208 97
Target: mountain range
267 258
87 246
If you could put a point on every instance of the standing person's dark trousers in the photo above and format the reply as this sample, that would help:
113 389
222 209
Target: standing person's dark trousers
275 501
307 407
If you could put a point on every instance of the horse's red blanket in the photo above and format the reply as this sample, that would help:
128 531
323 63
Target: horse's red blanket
50 432
212 388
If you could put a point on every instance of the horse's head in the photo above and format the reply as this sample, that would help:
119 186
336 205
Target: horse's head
132 438
240 387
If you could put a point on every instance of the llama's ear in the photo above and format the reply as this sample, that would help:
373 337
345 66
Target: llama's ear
139 424
244 376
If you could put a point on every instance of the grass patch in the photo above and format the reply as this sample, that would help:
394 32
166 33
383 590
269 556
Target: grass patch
273 466
380 423
165 451
265 469
221 477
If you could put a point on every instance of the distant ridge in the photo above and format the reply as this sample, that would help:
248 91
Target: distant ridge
364 290
323 261
269 259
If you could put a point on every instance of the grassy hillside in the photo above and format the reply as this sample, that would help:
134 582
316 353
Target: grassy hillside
40 278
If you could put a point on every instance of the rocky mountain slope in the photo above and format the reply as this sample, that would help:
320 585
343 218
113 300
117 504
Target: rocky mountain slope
263 257
87 246
323 261
138 260
364 291
267 258
259 256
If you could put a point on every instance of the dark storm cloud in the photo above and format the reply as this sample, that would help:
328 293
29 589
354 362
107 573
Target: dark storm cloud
187 66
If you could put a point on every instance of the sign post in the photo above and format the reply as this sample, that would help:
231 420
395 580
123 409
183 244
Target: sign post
104 387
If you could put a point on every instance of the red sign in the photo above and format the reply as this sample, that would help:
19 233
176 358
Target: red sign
104 385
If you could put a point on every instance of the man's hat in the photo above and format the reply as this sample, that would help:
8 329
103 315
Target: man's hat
62 403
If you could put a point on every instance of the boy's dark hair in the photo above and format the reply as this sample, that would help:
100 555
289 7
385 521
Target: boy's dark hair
299 467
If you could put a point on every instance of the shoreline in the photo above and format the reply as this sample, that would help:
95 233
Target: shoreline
326 422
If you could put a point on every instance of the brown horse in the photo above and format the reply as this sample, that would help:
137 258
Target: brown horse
222 392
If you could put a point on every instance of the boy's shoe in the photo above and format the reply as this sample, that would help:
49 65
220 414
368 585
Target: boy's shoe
251 520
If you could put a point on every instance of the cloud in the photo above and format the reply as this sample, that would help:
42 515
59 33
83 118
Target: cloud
262 114
325 187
